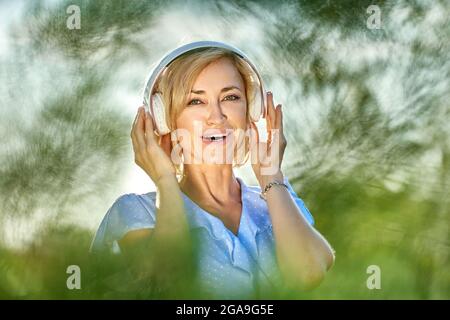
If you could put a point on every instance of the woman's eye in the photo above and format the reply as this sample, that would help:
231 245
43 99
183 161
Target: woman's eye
193 100
232 96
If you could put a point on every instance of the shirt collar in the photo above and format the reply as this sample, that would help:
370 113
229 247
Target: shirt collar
253 217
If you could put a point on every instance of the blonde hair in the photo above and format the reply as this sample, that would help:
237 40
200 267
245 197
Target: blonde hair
178 79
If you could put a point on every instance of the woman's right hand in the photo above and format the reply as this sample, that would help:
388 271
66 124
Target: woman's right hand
151 155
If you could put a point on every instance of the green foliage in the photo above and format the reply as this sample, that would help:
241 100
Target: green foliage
366 116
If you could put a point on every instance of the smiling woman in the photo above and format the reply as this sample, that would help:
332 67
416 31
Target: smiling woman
186 103
219 110
248 245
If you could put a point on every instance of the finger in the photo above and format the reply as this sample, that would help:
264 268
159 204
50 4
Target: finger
279 118
254 142
133 128
254 132
271 109
137 115
271 117
139 129
134 122
276 137
134 142
150 136
280 136
279 122
265 157
166 144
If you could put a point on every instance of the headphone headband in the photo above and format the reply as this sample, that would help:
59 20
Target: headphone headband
172 55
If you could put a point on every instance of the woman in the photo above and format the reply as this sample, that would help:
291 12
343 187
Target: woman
246 244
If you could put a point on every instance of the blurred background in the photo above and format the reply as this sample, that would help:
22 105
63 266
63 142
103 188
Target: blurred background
365 92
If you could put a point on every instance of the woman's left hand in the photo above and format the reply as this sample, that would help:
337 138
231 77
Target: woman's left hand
269 155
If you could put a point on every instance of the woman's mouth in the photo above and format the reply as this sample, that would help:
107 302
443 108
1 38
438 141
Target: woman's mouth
215 138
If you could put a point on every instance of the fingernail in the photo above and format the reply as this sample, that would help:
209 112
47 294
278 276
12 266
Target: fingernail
269 93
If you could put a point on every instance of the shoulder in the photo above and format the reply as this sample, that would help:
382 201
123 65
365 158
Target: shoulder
134 205
128 212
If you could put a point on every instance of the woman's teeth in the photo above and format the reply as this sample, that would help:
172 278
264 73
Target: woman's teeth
214 138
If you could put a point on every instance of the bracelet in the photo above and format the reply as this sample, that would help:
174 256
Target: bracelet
270 185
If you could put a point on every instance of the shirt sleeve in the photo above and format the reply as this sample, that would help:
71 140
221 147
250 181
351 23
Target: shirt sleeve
300 204
129 212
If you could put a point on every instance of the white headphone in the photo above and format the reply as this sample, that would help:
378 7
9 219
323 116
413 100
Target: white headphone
154 103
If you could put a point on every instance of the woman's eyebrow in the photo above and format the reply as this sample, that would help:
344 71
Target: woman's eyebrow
223 90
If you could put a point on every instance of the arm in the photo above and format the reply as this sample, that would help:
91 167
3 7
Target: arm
166 249
303 254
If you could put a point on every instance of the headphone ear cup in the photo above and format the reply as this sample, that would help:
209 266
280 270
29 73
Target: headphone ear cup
159 114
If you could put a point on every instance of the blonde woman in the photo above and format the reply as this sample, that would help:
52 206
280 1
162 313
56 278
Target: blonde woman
248 245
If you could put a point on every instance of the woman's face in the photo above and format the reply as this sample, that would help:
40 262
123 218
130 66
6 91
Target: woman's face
214 119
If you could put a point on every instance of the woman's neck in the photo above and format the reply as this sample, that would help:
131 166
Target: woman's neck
210 185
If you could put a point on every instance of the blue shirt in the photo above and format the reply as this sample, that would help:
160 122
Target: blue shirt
229 265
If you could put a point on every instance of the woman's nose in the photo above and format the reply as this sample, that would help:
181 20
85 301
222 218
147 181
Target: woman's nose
216 116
